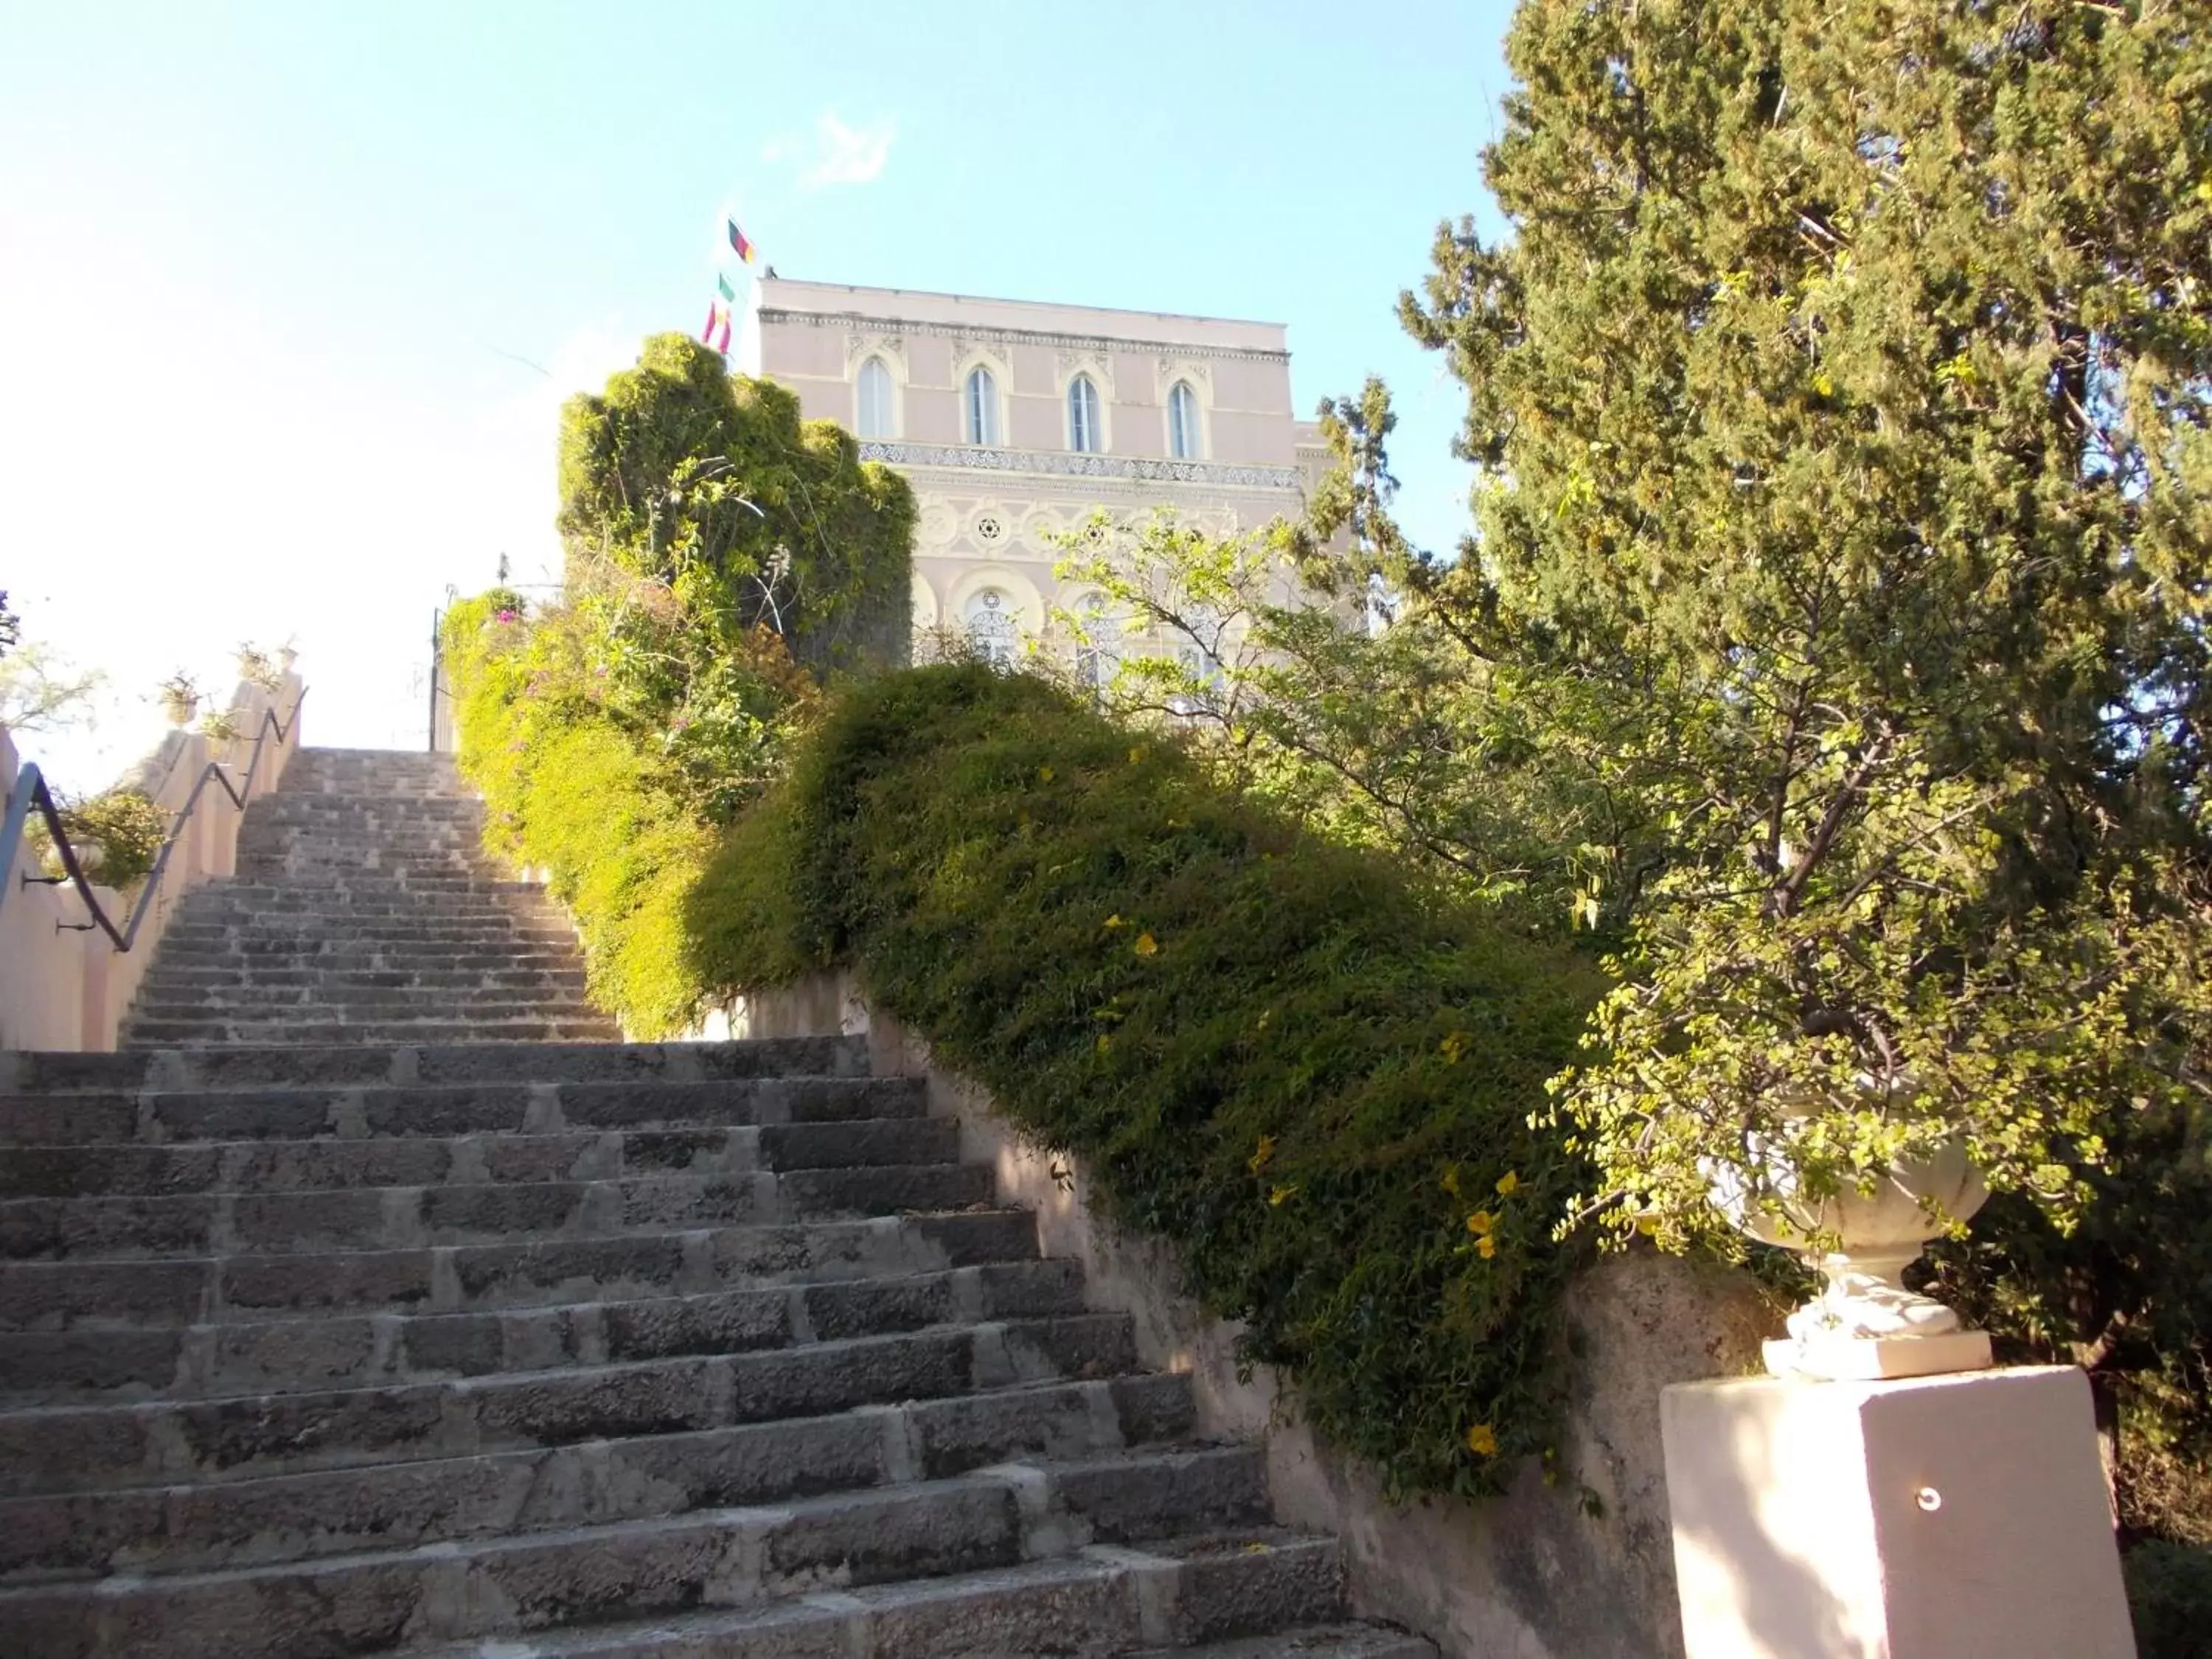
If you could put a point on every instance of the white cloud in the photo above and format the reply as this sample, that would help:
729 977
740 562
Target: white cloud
836 152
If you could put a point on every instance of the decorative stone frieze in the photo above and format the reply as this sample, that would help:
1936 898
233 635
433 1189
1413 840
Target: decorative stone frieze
965 456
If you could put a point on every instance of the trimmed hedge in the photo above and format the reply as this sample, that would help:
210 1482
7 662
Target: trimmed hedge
1280 1055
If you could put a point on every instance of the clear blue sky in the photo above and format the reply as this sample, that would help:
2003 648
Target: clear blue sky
259 262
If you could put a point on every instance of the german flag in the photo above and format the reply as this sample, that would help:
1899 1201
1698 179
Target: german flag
744 249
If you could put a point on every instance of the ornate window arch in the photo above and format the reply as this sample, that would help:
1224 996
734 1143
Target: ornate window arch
994 625
875 399
979 407
1085 430
1185 429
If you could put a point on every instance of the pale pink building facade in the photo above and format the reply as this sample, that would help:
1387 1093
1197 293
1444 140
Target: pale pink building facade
1016 422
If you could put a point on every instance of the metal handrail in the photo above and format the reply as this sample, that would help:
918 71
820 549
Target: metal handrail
31 790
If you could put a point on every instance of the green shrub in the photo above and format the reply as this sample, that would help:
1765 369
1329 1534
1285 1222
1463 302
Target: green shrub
2170 1596
1311 1078
569 788
129 828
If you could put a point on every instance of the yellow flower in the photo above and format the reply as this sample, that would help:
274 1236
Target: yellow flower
1482 1440
1480 1222
1114 921
1044 775
1507 1184
1266 1150
1647 1225
1450 1181
1104 1042
1135 755
1266 1014
1486 1247
1453 1046
1146 946
1277 1196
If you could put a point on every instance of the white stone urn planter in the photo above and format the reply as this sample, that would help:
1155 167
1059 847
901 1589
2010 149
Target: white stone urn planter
1864 1324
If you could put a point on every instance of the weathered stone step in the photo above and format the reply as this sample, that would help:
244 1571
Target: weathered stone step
403 1218
93 1362
920 1567
104 1448
317 1033
22 1072
173 980
455 1277
424 1159
1102 1488
447 1006
1313 1641
356 1004
1104 1602
356 959
341 1107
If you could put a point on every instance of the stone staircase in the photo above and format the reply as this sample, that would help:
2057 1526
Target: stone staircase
328 1328
362 911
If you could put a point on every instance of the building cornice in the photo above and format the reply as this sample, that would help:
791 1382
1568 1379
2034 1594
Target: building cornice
861 321
1064 464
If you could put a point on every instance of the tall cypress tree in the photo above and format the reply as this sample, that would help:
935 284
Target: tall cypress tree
1840 400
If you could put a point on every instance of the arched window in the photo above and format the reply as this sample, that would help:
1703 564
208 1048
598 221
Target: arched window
991 625
1083 434
1183 441
875 394
1094 658
981 402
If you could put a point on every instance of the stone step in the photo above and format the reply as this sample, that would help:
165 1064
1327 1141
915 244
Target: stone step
339 959
28 1071
245 976
1313 1642
425 1158
395 895
371 1008
342 1108
916 1547
93 1362
104 1448
1101 1485
426 912
219 1032
430 932
404 1218
1103 1601
458 1278
351 1002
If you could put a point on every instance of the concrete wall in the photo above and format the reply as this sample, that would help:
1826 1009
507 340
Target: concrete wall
1580 1569
63 988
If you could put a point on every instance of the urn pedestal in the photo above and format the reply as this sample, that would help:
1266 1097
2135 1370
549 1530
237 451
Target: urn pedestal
1865 1324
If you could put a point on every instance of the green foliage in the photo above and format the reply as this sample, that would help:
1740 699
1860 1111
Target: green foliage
2170 1595
710 484
129 828
1403 738
571 787
1306 1073
715 545
1839 403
